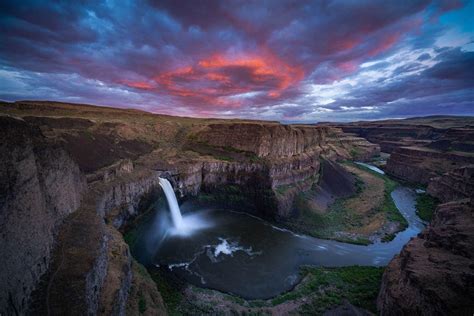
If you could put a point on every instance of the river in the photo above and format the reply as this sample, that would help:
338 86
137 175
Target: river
244 255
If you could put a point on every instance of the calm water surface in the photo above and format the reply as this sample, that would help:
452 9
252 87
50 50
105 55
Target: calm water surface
240 254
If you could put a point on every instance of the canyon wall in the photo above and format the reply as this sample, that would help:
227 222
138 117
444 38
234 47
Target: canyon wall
392 136
40 185
454 185
421 148
288 161
420 164
264 140
434 273
91 255
59 255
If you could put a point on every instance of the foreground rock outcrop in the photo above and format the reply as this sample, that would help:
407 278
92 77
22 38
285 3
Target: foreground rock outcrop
434 273
40 185
91 255
60 249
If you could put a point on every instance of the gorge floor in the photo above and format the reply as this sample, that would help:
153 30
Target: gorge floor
239 254
367 215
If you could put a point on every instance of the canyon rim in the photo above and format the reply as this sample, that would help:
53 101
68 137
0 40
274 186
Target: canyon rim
237 158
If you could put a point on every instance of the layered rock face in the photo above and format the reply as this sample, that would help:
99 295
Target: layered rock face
455 185
421 148
434 273
347 145
59 256
264 140
91 255
289 156
393 136
420 164
40 185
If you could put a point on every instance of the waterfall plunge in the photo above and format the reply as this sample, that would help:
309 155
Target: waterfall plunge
173 204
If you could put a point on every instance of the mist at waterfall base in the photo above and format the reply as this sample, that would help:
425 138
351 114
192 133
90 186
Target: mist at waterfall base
183 226
240 254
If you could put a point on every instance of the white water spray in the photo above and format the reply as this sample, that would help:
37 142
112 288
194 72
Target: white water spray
173 204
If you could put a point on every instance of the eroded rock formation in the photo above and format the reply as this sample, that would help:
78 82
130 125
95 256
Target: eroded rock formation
40 185
434 273
420 164
454 185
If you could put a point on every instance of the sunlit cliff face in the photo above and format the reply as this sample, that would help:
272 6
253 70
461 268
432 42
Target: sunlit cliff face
283 60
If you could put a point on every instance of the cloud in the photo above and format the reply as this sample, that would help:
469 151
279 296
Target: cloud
304 60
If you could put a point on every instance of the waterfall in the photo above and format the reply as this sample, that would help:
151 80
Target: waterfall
173 203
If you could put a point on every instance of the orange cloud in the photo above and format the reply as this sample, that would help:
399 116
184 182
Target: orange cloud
218 77
138 84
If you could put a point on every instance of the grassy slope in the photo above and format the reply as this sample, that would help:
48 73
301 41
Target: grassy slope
320 289
340 219
327 287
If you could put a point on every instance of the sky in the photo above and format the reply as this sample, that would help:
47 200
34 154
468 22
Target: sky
292 61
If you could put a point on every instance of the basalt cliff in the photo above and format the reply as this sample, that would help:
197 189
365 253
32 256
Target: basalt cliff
421 149
74 176
434 273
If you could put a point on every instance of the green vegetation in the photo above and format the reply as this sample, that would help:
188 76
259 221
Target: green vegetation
238 197
355 152
327 287
284 188
388 206
425 206
225 153
231 195
326 225
131 237
141 304
388 237
341 222
170 291
320 289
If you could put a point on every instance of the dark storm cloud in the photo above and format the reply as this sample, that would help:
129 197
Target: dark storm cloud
453 65
223 58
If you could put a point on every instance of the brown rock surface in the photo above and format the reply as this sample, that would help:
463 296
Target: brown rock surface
40 185
453 185
420 164
263 139
434 273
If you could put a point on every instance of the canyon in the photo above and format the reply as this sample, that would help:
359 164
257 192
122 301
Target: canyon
76 177
429 273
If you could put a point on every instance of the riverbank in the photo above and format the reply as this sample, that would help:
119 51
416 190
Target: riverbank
321 289
363 218
320 283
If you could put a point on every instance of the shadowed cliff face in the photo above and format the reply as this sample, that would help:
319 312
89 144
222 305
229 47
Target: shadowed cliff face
434 273
455 185
39 186
421 164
